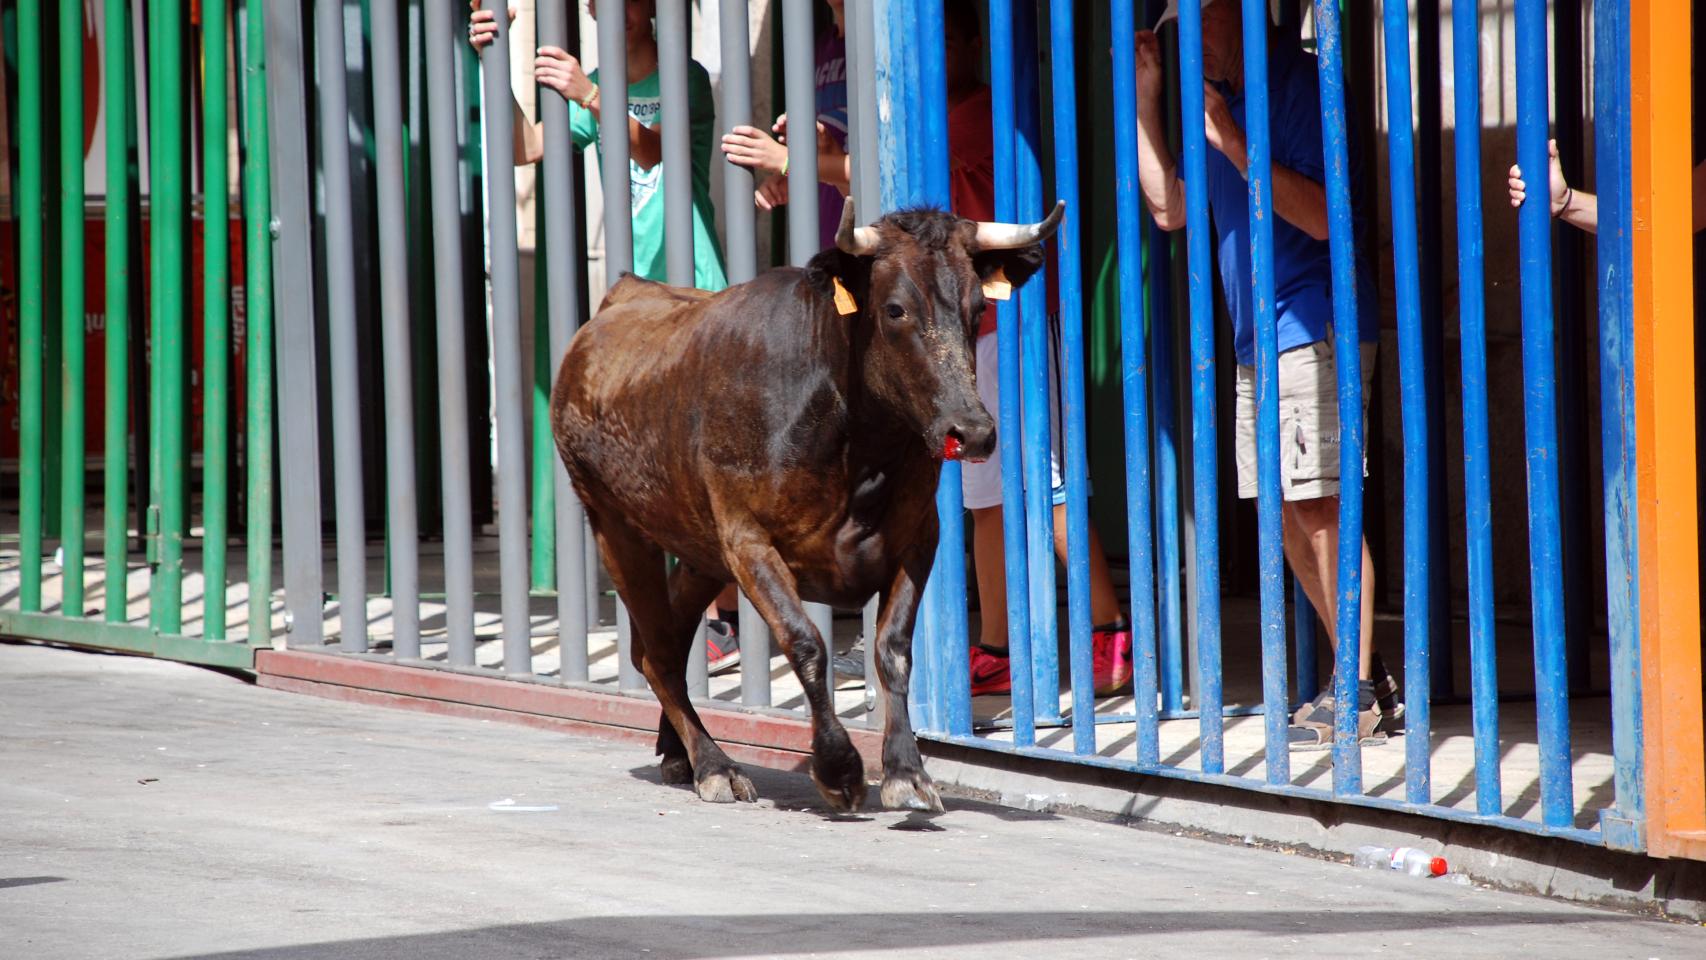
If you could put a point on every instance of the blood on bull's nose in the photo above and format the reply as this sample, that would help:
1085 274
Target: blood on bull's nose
973 438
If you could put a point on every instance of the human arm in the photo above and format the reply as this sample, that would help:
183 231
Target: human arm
760 152
1298 199
1575 207
1157 175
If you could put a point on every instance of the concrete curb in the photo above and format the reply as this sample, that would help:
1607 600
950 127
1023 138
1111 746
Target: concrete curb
1546 866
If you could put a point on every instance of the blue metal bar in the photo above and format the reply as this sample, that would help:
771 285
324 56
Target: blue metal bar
1551 685
1304 624
1614 168
1034 379
1075 465
1271 555
1018 610
1413 399
1477 478
1134 381
1205 474
951 636
1330 65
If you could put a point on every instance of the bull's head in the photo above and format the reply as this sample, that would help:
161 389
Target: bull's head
917 279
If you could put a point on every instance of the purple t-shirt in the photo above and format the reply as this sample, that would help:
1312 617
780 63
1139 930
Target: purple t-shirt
832 113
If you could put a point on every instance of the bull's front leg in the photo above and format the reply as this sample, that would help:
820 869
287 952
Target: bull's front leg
837 769
905 784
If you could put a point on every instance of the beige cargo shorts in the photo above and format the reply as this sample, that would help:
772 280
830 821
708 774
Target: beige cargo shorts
1309 421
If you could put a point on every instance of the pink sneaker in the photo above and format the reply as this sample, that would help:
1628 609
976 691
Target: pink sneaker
1111 656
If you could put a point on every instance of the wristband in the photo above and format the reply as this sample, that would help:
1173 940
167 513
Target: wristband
586 102
1569 194
785 166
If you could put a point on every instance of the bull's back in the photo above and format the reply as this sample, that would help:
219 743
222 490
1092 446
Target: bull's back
625 405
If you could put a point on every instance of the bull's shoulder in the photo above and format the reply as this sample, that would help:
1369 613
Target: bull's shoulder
633 289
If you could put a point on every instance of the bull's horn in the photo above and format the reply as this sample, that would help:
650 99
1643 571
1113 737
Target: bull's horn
1006 236
858 241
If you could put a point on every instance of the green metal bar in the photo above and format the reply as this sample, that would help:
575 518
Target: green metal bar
71 306
257 221
156 289
118 94
30 320
216 319
169 229
127 637
544 448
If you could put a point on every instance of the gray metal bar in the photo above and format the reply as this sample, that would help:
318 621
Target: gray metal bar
868 197
618 225
592 595
754 655
613 145
454 463
739 216
340 319
674 22
293 309
627 674
563 296
741 248
800 96
504 257
403 511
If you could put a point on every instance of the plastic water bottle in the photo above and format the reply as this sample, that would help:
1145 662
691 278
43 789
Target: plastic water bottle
1410 860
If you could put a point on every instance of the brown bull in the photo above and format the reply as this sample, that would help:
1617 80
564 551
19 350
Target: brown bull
766 436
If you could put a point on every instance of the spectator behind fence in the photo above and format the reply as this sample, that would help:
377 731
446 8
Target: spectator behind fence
971 184
767 155
1580 209
560 71
1303 307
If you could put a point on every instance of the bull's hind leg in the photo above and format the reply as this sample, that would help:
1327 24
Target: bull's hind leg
905 784
661 638
837 769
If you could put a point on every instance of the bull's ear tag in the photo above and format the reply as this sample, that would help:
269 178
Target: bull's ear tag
997 287
844 303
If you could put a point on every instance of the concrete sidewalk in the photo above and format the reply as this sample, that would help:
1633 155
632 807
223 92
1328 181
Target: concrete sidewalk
150 809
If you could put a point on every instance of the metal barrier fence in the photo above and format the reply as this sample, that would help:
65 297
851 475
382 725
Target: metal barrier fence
1160 649
426 164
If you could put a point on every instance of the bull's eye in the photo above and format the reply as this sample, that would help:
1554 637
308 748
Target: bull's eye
896 311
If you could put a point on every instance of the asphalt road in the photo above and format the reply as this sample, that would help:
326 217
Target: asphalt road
152 810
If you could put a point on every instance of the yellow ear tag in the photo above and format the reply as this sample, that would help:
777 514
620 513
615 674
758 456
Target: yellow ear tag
844 304
997 287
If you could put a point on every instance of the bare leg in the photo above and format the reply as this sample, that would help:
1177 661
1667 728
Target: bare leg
1312 547
1104 602
988 552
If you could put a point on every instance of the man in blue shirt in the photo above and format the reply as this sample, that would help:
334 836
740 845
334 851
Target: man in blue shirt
1309 413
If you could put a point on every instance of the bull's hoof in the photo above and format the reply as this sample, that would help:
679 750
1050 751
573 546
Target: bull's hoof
726 786
911 791
845 794
676 770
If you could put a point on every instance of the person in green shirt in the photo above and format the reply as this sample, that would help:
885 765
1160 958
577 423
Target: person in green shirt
560 71
557 69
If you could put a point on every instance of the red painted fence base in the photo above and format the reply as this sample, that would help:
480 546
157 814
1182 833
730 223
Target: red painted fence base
761 739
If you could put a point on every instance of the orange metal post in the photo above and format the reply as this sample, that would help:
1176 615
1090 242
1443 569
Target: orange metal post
1662 118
